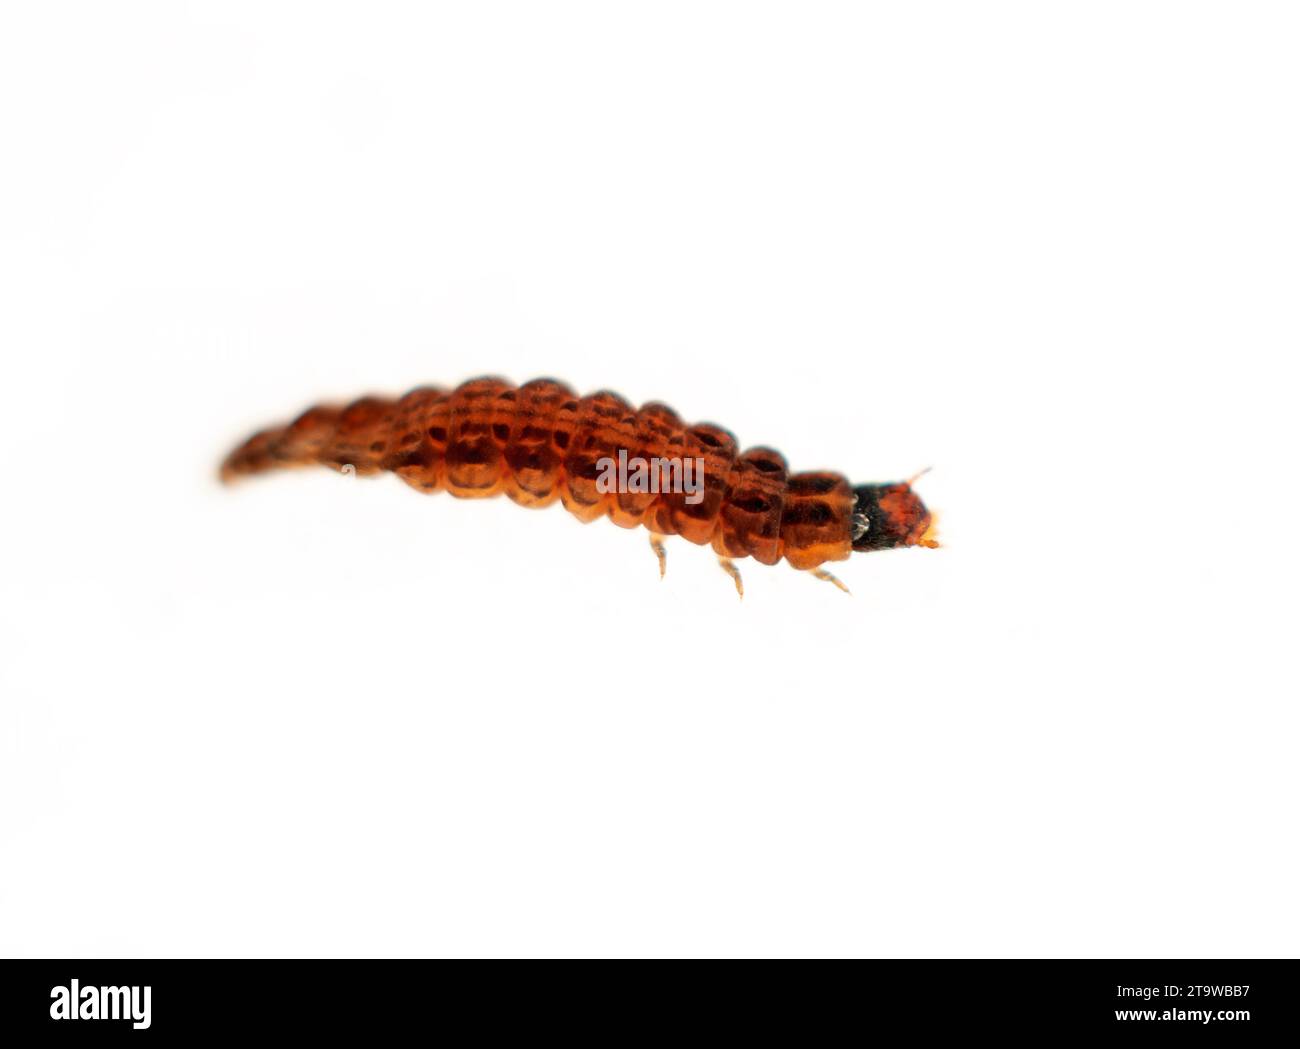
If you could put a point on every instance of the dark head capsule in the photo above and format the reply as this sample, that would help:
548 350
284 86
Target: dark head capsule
890 515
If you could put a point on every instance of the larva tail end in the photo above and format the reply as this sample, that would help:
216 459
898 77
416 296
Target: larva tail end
254 456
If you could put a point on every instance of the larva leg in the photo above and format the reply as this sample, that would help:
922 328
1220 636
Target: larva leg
729 566
821 573
657 545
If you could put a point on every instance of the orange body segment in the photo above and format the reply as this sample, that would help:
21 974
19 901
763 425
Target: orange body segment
478 431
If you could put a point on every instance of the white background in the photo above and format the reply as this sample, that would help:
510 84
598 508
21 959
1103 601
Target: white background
1051 250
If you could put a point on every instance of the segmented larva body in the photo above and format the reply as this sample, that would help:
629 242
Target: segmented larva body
539 442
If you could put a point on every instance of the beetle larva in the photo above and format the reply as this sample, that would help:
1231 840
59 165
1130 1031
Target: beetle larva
539 442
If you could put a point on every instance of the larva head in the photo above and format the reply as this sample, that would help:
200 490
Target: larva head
890 515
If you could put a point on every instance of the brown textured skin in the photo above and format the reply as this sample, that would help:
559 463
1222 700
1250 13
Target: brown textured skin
540 442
